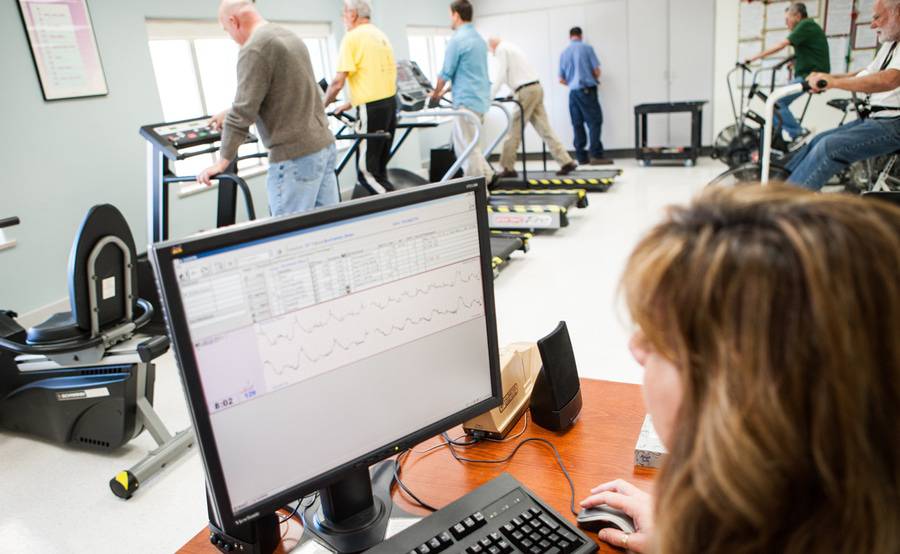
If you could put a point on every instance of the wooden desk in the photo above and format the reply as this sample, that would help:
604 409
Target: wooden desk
599 448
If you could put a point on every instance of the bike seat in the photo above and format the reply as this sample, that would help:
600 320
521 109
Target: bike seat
59 327
841 104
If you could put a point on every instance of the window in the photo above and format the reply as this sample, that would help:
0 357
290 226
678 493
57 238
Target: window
427 46
194 63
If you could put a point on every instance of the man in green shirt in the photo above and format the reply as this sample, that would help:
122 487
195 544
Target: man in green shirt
810 56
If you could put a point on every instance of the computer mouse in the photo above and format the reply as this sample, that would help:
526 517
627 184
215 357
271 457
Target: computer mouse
603 516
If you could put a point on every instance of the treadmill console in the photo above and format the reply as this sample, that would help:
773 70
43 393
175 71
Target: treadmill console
179 135
413 87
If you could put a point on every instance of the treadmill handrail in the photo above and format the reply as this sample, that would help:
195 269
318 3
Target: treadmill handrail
9 222
503 133
442 112
238 181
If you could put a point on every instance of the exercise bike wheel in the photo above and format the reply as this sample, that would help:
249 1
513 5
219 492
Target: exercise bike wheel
748 174
734 146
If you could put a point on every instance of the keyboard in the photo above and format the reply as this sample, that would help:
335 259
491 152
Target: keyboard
500 517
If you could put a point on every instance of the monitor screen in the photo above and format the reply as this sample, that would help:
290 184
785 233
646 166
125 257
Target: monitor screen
316 347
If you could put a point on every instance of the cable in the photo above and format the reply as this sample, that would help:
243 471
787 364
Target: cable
559 461
397 463
476 440
314 497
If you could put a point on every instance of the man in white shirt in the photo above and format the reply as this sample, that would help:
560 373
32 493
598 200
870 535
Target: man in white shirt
512 69
832 151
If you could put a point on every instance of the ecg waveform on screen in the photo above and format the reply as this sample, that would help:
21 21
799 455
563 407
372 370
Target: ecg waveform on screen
337 345
320 338
377 304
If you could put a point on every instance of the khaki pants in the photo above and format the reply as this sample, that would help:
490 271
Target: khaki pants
532 100
463 132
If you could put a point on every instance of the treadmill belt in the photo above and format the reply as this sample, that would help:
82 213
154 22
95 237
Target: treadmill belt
564 201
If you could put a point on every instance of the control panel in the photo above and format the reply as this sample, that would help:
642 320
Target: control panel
413 87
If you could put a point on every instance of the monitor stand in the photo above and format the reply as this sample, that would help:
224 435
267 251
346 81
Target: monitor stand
352 514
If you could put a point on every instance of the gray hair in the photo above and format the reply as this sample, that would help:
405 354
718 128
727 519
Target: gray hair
363 8
798 8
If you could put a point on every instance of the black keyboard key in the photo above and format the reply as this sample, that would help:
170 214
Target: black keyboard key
474 549
469 523
517 536
535 537
536 550
553 537
549 522
479 519
526 543
564 546
504 546
423 549
493 550
435 545
445 538
553 550
495 536
459 531
485 542
545 544
527 529
545 531
568 535
535 511
527 516
509 528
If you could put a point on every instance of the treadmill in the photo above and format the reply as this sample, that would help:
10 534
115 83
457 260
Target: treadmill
503 245
599 180
505 211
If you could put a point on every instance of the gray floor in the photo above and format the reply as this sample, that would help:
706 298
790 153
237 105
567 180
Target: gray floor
57 500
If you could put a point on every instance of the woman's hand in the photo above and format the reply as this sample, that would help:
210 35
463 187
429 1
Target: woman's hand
637 504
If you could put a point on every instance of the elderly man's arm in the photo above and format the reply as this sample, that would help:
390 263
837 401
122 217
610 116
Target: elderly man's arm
335 88
765 54
882 81
253 74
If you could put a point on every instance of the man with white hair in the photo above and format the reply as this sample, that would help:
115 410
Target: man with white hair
366 62
276 89
810 55
830 152
511 68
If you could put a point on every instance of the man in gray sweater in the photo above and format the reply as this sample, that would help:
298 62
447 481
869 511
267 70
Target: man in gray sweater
278 91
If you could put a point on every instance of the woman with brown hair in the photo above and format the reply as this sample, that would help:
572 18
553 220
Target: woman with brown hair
768 328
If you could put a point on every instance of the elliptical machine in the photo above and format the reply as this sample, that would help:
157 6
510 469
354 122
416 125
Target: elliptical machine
85 378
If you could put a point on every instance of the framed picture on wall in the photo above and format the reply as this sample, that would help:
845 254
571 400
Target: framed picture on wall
64 48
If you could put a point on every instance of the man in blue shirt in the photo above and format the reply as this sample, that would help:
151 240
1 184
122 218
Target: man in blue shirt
579 68
466 66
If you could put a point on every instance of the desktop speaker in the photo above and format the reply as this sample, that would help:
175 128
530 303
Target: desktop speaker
556 398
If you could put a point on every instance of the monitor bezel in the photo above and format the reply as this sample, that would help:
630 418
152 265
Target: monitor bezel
163 256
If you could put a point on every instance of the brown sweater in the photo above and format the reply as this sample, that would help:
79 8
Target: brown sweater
278 91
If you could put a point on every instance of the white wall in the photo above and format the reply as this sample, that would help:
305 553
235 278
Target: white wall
632 39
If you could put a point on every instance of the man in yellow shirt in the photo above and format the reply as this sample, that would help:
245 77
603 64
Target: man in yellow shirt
366 62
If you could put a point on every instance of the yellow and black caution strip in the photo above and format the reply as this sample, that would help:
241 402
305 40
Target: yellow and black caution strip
591 184
580 194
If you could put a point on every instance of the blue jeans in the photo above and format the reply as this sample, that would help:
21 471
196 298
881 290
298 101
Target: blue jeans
584 108
832 151
304 183
789 123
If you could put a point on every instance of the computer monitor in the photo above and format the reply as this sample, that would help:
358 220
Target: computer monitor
313 346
